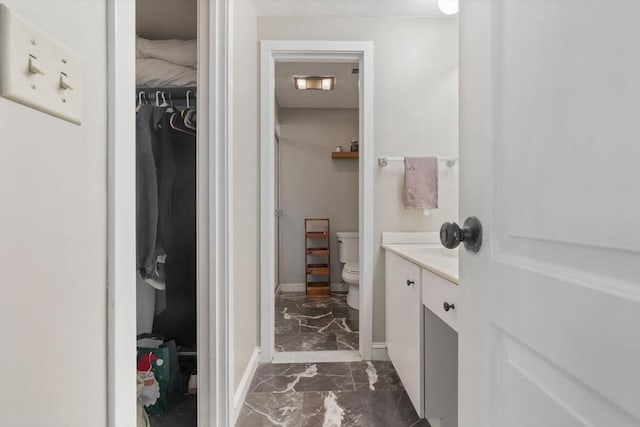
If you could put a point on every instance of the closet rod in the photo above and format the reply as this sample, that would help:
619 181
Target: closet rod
174 92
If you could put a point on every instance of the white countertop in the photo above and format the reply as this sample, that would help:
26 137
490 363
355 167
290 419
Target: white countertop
431 256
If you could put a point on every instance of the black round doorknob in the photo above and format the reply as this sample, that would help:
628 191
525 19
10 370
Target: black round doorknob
410 282
448 306
450 235
471 234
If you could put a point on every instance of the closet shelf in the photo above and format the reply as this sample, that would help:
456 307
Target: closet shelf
344 154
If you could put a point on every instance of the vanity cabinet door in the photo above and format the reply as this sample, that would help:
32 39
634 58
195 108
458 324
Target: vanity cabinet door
404 324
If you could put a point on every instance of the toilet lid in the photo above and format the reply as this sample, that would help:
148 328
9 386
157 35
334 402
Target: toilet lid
352 267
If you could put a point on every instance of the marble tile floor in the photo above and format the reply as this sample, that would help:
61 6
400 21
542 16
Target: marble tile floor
328 395
313 324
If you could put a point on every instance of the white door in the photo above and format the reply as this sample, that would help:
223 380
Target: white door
550 163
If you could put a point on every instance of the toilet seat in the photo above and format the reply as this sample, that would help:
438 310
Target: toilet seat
351 276
352 267
351 273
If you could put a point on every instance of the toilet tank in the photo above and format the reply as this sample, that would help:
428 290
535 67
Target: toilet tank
348 246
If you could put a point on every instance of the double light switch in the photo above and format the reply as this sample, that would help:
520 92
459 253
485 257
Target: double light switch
38 71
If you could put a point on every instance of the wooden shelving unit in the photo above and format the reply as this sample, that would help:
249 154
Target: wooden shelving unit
317 257
344 154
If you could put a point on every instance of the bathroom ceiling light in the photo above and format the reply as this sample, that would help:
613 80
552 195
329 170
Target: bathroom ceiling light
314 82
448 7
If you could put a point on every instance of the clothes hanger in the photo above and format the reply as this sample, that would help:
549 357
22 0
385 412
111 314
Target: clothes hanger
188 93
140 99
189 119
164 102
170 109
174 126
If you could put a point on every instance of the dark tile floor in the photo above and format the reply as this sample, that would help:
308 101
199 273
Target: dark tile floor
310 324
184 414
328 395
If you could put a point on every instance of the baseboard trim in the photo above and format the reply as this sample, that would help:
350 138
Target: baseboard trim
379 351
291 287
245 382
300 287
316 356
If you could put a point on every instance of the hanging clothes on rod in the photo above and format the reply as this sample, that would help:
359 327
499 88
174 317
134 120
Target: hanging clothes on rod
147 143
166 206
177 228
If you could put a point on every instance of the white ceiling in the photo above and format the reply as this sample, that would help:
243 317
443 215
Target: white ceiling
344 95
422 8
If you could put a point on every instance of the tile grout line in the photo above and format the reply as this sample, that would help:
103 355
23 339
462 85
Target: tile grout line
353 382
304 395
395 411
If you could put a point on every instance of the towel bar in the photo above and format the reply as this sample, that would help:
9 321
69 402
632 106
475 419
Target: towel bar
384 161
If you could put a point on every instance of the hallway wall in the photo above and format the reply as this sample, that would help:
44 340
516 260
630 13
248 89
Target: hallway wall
245 196
53 249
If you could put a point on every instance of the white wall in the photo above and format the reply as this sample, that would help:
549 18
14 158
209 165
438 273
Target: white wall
53 217
416 110
312 185
246 208
151 19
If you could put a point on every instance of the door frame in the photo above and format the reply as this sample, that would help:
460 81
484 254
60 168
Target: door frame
214 404
273 51
276 235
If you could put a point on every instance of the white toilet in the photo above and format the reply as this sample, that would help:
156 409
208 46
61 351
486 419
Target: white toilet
348 248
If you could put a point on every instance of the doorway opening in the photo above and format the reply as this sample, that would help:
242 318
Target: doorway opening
198 323
305 315
316 163
165 162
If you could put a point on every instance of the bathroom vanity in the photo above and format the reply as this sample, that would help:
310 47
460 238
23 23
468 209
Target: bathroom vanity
421 290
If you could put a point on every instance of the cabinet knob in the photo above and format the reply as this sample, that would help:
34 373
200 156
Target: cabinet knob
410 282
448 306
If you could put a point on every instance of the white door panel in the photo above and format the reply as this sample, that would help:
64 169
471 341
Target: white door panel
563 114
550 145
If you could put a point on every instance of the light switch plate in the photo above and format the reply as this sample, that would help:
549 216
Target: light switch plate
35 69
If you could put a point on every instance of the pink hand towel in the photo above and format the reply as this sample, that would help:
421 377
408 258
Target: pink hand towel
420 183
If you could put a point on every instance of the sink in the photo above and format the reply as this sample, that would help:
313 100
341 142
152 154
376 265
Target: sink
439 252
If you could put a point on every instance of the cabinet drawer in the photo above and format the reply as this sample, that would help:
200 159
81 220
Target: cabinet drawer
436 291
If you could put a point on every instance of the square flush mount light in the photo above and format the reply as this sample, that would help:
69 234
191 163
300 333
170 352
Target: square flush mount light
314 82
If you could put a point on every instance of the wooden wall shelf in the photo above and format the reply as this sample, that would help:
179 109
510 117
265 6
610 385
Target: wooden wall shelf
344 154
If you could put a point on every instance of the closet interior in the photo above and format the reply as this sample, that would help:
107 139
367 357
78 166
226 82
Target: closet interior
166 128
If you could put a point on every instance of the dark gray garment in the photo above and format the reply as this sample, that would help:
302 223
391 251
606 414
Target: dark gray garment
146 188
176 161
